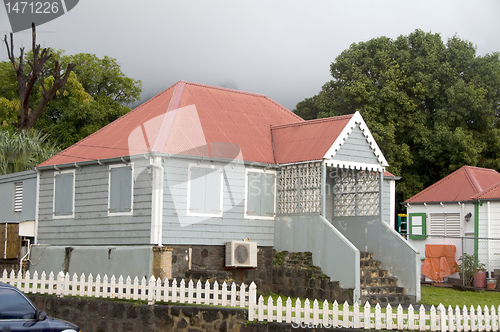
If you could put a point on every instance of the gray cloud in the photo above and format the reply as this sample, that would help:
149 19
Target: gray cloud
280 48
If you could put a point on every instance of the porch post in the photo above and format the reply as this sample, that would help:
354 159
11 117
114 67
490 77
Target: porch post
323 189
381 195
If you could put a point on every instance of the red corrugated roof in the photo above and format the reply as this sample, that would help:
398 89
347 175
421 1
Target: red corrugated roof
309 140
492 192
202 120
466 183
188 118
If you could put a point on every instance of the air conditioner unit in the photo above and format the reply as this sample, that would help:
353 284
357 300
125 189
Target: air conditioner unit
241 254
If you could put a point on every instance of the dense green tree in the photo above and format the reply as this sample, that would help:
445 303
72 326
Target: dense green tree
96 93
432 106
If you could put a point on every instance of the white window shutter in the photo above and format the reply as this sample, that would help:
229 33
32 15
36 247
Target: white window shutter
18 197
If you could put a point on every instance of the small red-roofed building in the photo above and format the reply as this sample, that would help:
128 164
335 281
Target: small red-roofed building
463 210
199 168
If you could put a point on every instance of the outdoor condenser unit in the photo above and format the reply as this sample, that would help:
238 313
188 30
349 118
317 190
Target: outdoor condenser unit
241 254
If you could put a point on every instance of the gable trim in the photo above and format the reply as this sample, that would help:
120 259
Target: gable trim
354 165
356 120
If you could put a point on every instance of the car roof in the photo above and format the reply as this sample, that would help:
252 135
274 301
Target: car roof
2 284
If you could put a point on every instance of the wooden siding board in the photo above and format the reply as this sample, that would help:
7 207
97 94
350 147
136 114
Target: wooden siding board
91 224
209 231
386 204
356 149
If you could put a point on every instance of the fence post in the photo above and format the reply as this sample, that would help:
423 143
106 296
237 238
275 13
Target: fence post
34 290
261 309
252 294
270 311
60 284
27 282
151 290
462 270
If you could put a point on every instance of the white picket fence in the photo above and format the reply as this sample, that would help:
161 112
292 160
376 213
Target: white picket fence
151 291
301 314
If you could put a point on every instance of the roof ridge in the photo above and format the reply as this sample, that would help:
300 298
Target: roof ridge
245 93
485 191
466 170
446 178
313 121
222 88
472 179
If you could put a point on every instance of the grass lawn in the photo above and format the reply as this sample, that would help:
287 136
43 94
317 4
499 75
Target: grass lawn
447 296
429 295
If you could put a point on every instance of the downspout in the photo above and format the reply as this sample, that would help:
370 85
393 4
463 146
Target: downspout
37 200
488 220
476 231
156 200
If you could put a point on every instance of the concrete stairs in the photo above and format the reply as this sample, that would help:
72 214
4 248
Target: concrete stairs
378 286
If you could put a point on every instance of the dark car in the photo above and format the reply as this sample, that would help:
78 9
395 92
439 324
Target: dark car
17 313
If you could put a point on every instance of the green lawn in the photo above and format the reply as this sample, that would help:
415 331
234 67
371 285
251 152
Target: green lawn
447 296
429 295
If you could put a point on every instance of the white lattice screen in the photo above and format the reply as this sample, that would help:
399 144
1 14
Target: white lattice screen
299 188
356 193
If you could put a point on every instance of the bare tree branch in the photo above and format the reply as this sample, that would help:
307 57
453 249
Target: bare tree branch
26 83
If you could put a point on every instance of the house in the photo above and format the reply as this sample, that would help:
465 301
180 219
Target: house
17 217
462 209
198 166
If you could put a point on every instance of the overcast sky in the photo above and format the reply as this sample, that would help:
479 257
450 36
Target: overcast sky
280 48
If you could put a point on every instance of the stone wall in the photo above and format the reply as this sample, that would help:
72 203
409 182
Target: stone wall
289 274
109 316
93 315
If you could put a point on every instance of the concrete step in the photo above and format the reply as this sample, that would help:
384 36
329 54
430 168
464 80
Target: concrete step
374 273
389 290
378 282
369 264
384 300
364 256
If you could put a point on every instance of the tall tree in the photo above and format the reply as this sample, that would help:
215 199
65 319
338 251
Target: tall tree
26 80
432 106
98 94
95 94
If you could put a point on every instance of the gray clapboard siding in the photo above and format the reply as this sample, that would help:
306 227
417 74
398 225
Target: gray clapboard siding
91 224
7 193
386 205
203 230
356 149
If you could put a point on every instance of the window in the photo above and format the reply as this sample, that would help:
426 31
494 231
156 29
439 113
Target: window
205 191
260 200
64 194
120 196
418 228
18 197
15 306
445 224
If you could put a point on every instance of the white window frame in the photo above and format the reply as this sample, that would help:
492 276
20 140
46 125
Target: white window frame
128 213
72 215
221 198
259 170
